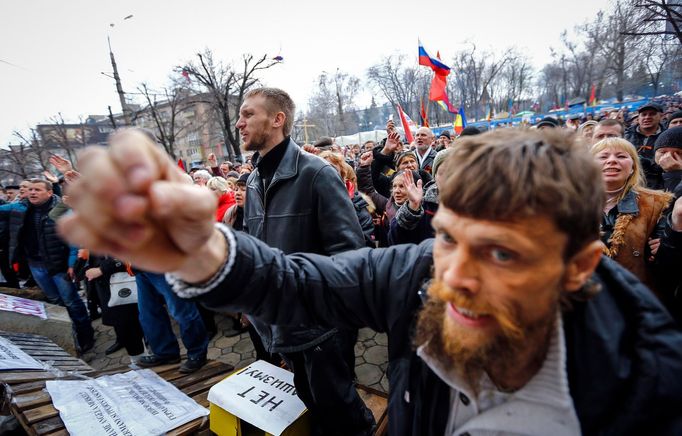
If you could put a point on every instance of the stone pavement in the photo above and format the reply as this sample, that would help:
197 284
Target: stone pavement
371 351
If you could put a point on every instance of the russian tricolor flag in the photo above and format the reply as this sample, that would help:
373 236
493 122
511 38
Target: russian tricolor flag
435 64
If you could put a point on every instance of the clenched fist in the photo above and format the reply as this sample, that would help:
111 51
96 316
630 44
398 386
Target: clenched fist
133 203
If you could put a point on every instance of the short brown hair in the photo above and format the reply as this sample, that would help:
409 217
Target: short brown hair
612 122
45 183
509 174
277 100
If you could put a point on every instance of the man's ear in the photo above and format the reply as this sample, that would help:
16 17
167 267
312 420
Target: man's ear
581 266
280 118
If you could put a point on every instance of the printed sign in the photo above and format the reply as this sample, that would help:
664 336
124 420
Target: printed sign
260 394
127 404
13 357
10 303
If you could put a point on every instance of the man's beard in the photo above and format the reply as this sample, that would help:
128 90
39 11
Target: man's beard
471 353
258 140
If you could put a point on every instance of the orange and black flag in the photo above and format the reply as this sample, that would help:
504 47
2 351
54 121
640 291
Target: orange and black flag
422 113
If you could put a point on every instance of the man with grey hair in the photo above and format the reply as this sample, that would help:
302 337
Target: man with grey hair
201 177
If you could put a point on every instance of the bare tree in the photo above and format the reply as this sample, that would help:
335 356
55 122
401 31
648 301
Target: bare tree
18 162
476 71
400 84
332 106
165 112
227 85
661 17
58 136
25 159
614 41
657 56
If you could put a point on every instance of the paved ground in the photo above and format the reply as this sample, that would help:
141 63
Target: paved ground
371 355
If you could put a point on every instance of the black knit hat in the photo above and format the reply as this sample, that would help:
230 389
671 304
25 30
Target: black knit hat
445 133
671 138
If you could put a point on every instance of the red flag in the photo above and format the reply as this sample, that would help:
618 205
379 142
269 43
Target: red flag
185 74
181 165
440 70
438 85
425 119
406 125
593 96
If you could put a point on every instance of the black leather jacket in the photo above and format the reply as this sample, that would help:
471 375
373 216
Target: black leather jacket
305 208
624 353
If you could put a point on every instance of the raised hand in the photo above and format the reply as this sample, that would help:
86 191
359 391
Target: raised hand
669 160
415 193
131 202
392 143
62 165
71 176
366 159
212 161
50 177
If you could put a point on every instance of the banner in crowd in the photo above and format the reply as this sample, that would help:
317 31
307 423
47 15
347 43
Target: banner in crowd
13 358
10 303
131 403
260 394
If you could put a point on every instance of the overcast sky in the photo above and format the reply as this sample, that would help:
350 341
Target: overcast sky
53 52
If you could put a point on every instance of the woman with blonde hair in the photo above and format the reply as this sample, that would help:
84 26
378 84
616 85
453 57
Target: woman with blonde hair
633 218
225 194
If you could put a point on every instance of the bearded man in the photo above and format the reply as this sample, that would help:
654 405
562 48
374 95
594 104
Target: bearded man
520 324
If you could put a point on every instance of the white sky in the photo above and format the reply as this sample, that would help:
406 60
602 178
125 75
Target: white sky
59 47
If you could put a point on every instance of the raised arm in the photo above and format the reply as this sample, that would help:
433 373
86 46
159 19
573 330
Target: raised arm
365 287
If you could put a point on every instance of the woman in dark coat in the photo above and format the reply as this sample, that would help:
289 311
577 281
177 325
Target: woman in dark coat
124 318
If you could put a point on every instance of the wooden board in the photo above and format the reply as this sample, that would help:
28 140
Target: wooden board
377 402
60 364
32 406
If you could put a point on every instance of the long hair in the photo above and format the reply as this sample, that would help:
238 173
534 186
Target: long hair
635 181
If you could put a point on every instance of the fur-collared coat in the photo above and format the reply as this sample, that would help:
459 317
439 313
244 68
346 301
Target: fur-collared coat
640 217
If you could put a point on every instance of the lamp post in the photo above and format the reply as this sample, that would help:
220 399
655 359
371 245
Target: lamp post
117 79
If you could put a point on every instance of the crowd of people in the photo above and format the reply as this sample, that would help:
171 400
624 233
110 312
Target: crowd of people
526 277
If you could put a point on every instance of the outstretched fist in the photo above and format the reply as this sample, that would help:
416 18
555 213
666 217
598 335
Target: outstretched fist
133 203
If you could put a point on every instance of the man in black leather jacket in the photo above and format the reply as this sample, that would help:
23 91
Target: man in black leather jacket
510 321
296 202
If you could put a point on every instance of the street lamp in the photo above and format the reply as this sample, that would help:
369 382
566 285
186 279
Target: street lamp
119 88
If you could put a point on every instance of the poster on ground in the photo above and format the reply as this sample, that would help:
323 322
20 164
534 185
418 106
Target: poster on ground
126 404
14 358
10 303
262 395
